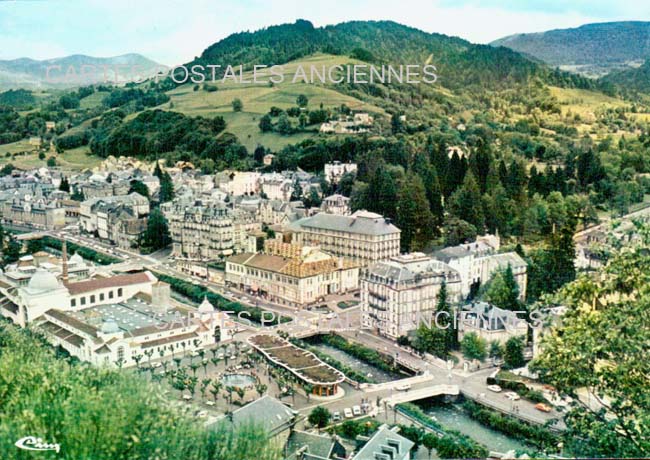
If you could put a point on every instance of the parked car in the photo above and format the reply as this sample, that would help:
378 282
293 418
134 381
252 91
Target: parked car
356 410
347 412
156 365
543 407
495 388
512 396
336 417
404 387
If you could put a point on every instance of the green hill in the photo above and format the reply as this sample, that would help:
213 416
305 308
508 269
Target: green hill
591 49
258 99
459 62
631 80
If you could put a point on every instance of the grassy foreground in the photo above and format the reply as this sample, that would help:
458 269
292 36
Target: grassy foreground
101 413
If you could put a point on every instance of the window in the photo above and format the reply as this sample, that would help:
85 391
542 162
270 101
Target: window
101 297
83 301
120 353
110 294
92 298
119 292
73 302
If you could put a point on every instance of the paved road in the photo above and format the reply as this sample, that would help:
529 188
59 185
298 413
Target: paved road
472 385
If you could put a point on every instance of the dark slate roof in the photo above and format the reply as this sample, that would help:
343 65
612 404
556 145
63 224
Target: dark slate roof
314 446
361 222
268 412
382 441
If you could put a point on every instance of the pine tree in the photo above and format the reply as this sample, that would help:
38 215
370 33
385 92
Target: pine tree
166 188
455 173
11 250
514 353
466 203
258 154
414 217
382 193
503 290
156 236
140 188
266 124
429 177
65 185
296 194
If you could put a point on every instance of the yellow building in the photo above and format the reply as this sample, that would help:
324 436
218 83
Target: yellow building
291 274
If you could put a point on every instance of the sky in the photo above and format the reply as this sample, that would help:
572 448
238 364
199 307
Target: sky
174 31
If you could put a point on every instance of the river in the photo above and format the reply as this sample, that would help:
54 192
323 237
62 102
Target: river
453 417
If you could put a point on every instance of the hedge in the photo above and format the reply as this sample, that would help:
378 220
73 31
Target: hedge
452 444
197 293
86 253
360 352
534 435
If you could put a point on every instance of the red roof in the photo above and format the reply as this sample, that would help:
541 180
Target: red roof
112 282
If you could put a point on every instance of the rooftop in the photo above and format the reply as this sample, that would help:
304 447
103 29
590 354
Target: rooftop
267 411
387 442
81 287
361 222
133 316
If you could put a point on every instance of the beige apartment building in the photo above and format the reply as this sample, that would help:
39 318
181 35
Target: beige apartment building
363 237
39 214
400 293
208 230
291 274
200 231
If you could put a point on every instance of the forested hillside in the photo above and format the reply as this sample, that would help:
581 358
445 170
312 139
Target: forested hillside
591 49
459 62
631 81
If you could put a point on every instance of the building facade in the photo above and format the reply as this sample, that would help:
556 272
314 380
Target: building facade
208 229
477 262
399 294
335 170
291 274
363 237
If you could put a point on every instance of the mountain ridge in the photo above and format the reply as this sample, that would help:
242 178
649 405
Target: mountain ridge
460 63
591 49
28 73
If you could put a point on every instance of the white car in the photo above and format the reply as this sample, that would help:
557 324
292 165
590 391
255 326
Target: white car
404 387
336 417
156 365
356 410
347 412
512 396
495 388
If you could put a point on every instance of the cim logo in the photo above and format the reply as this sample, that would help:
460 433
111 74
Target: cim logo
33 443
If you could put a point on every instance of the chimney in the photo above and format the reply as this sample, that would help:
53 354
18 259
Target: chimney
65 261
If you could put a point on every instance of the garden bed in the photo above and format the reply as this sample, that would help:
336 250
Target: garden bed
301 362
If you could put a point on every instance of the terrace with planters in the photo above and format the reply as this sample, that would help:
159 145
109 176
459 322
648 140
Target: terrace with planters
322 378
